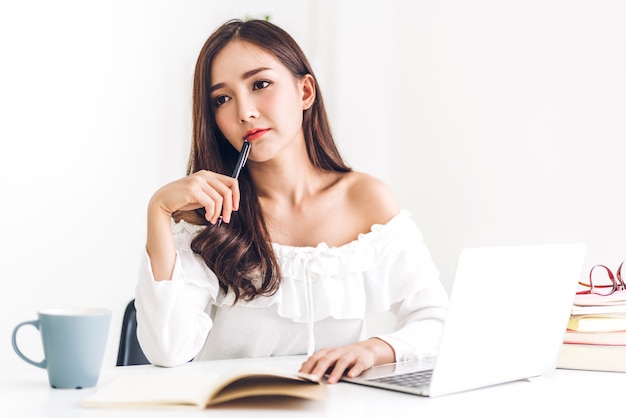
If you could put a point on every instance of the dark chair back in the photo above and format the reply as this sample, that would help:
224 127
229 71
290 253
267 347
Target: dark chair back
130 352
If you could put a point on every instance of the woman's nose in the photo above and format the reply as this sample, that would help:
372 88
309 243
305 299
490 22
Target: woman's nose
247 110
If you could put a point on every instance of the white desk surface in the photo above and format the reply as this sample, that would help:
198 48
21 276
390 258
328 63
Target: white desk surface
566 393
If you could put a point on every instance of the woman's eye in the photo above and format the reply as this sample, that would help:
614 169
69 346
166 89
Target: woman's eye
261 84
220 100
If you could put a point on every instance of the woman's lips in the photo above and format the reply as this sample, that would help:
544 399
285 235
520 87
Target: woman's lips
253 134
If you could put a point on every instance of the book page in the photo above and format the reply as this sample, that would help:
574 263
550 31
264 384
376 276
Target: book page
200 389
599 322
265 385
150 390
616 298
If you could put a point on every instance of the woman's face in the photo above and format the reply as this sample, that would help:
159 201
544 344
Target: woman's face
256 98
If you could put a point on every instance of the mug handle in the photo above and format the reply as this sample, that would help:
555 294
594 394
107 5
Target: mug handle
34 323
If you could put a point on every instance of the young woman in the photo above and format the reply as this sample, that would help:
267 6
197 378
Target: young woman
305 247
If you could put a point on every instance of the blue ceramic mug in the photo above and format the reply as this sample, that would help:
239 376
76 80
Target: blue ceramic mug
74 340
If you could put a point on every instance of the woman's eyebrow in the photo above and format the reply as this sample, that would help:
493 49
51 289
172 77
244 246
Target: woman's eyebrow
244 76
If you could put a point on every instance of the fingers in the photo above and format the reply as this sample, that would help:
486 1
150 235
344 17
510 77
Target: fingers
219 197
318 364
216 193
350 360
343 365
213 196
230 200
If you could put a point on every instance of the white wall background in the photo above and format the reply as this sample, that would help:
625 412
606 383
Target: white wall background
509 123
496 122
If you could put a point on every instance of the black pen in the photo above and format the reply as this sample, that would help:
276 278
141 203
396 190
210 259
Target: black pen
241 161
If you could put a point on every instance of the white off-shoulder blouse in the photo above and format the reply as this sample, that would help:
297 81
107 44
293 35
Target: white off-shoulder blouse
323 300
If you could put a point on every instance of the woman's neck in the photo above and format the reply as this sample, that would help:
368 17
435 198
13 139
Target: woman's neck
287 177
288 182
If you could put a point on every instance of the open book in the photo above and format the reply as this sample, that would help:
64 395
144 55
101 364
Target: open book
174 388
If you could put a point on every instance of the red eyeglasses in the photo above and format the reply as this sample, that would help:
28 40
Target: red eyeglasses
605 288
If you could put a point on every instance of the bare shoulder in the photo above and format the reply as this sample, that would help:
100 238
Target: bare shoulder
370 198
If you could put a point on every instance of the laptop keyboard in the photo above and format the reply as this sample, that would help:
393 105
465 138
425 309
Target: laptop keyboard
412 380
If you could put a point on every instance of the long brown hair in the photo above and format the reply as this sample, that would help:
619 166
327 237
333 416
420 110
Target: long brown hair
241 253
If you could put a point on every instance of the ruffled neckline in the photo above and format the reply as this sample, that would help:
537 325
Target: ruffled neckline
368 274
335 276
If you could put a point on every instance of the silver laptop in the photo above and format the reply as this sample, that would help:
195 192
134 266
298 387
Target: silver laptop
508 312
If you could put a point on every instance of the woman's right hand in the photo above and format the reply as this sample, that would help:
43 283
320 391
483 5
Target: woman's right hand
216 193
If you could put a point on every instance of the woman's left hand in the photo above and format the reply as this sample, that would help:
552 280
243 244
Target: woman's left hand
350 360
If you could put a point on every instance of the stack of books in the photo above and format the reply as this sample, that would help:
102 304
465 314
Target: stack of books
596 334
